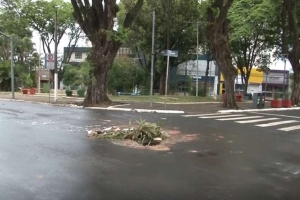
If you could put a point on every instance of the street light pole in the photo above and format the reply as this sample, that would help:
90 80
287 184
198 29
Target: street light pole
283 85
55 59
197 84
39 71
12 68
197 53
152 58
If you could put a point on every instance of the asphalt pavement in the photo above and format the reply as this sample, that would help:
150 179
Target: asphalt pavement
45 154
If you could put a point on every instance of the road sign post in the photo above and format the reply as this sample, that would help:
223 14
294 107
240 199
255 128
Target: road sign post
168 54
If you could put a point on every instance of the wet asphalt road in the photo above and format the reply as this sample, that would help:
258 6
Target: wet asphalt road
45 154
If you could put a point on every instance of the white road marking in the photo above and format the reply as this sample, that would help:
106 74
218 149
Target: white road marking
291 128
256 120
220 116
200 115
270 114
277 123
238 118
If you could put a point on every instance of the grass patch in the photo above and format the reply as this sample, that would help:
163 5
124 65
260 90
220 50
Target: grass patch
145 133
157 98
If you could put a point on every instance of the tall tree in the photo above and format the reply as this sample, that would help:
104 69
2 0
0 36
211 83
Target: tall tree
175 29
41 16
12 23
217 31
96 19
253 35
290 45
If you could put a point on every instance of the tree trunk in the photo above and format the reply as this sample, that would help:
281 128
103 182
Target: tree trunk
246 85
206 76
217 32
229 77
296 88
96 94
162 82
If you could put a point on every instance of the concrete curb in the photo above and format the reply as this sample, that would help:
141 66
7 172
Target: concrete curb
43 103
102 108
138 110
258 110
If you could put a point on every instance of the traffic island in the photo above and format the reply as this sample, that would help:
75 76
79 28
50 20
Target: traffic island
141 135
145 133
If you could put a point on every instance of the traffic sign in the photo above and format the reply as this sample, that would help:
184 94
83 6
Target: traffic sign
170 53
50 57
49 65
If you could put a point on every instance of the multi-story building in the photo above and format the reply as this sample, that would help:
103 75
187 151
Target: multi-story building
275 80
79 54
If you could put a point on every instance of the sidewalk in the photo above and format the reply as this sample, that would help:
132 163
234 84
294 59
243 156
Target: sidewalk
42 98
203 107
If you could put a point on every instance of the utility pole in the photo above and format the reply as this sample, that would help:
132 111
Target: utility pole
12 68
39 71
197 83
283 84
197 53
55 59
152 58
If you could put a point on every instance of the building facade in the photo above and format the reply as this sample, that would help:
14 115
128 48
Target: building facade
274 81
80 54
254 83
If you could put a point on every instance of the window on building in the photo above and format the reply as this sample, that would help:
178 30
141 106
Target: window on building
78 55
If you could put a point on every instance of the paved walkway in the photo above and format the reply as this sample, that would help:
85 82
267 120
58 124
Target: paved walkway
202 107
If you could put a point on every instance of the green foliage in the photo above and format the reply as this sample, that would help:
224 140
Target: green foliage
120 36
80 92
46 88
4 70
124 75
193 90
75 76
70 75
276 95
286 96
252 34
69 93
27 81
180 16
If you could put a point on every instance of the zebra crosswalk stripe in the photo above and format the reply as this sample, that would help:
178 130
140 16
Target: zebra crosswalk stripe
277 123
256 120
203 115
220 116
291 128
238 118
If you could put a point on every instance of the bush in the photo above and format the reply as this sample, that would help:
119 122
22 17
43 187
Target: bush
286 96
69 93
80 92
28 82
46 88
193 90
